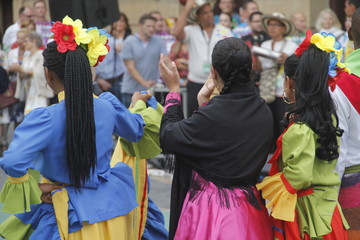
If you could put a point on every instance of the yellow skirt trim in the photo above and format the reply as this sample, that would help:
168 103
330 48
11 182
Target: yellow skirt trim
139 170
60 200
281 202
113 229
19 179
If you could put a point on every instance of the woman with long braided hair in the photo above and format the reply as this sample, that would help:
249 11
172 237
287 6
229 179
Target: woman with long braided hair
70 143
219 151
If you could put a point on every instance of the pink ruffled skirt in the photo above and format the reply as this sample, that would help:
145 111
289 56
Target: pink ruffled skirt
205 218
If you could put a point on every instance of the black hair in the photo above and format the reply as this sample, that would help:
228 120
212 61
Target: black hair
21 10
145 17
227 14
231 58
314 105
73 68
253 14
356 3
290 66
217 10
355 27
127 29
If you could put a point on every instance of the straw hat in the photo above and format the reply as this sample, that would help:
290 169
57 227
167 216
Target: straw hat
199 4
279 17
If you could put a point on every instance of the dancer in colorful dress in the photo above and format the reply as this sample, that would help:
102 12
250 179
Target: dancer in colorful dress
70 143
347 99
303 185
149 222
220 151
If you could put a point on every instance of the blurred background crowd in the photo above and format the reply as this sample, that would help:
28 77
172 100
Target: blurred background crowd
143 29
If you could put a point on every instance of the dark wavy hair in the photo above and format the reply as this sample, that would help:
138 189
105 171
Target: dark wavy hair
231 58
73 68
128 31
290 66
314 105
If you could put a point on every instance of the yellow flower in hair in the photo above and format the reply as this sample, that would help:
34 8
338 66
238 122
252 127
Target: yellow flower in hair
81 36
325 43
343 67
97 45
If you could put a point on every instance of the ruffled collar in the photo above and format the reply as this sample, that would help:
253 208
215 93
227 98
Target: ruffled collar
61 96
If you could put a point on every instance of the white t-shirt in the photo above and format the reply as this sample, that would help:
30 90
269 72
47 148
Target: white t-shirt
10 36
200 49
286 46
349 119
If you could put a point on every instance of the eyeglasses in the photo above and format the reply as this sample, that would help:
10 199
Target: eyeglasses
275 25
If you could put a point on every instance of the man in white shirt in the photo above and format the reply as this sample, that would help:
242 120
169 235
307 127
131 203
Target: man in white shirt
25 16
201 39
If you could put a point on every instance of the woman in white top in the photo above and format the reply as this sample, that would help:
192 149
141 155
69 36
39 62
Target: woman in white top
278 28
329 22
32 70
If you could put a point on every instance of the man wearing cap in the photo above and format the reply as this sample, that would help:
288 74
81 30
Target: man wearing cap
201 39
277 27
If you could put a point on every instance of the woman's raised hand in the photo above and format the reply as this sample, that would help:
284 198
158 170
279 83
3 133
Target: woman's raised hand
206 91
169 74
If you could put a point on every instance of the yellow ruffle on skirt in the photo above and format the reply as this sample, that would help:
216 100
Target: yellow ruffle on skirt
139 169
113 229
281 202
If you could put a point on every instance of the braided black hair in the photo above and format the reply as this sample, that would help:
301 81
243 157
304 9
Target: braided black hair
231 58
73 68
314 105
290 66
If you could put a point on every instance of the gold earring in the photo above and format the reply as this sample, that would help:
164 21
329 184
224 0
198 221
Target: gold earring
286 99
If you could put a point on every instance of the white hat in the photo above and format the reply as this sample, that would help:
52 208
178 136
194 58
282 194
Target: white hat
279 17
199 4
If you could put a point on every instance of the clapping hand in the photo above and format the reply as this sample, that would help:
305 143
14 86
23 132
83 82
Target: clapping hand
169 74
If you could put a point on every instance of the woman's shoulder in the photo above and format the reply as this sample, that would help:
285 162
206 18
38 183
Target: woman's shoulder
299 130
38 117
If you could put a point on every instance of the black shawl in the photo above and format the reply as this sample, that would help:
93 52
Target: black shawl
226 142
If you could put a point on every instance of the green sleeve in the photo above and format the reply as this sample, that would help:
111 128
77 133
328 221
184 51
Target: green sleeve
18 194
149 144
298 154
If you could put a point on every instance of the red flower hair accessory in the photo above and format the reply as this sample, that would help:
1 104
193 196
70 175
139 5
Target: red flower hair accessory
69 34
305 44
64 37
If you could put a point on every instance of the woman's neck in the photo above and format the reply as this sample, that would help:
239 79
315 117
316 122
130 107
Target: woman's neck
119 34
278 38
